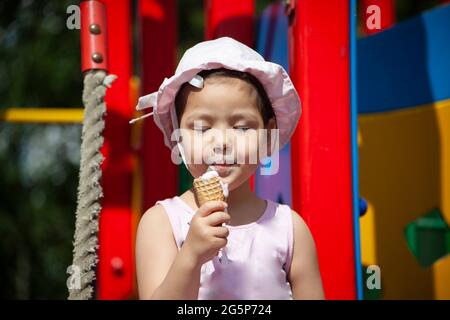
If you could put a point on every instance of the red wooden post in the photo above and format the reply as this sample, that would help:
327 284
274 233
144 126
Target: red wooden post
116 264
158 44
232 18
320 149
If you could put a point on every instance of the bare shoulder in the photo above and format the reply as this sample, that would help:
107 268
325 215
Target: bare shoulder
303 239
155 215
154 224
300 227
304 274
155 250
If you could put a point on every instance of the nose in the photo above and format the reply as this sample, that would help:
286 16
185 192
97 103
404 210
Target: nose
222 143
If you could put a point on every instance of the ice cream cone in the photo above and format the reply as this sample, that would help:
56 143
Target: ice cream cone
209 187
208 190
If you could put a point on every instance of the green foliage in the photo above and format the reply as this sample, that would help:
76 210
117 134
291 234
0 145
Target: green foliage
39 67
39 56
39 168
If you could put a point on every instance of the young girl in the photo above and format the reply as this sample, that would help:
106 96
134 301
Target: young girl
246 247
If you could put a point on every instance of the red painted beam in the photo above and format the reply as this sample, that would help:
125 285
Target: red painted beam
116 264
319 50
232 18
385 9
158 43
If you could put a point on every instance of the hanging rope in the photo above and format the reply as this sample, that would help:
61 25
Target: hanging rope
81 282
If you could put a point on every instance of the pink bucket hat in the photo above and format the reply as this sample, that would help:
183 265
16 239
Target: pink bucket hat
226 53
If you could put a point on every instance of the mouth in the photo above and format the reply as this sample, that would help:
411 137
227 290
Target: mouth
224 165
223 168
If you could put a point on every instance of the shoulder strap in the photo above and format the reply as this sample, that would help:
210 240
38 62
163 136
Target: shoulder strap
286 213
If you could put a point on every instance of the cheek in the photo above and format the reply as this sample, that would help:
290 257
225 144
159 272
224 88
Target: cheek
192 153
253 146
241 176
263 144
186 143
192 145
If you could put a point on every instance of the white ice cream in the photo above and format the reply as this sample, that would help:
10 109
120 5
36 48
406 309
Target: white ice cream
224 188
211 174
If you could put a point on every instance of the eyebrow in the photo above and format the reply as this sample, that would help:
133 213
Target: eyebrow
199 115
244 115
235 116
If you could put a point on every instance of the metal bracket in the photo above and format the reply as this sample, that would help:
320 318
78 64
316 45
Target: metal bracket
94 54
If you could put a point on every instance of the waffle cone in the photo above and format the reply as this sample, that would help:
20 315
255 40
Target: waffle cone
207 190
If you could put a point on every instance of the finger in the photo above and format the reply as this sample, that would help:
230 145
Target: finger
210 207
221 242
221 232
217 218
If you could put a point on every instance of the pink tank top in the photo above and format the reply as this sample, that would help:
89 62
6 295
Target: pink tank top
255 261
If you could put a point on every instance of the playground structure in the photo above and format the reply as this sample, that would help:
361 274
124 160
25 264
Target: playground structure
404 154
372 131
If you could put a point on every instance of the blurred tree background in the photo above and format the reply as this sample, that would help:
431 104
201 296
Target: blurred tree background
40 67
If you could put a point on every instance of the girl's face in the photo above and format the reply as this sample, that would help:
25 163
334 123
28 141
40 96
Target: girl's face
221 125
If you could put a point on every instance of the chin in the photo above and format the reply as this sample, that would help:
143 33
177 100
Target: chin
235 180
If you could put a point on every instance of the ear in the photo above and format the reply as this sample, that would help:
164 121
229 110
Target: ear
271 124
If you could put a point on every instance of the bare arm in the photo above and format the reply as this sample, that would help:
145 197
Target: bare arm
304 274
162 271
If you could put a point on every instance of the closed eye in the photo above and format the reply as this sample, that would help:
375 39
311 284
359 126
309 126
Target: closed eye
201 129
242 128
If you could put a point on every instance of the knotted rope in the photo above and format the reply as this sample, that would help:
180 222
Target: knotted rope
85 258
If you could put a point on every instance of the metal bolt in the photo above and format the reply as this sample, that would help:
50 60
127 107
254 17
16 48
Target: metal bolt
97 57
94 28
117 266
